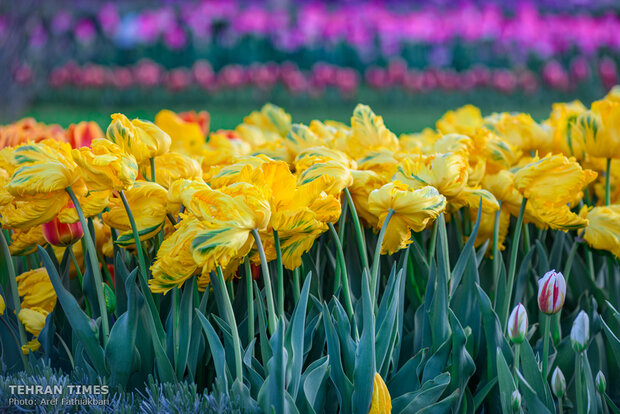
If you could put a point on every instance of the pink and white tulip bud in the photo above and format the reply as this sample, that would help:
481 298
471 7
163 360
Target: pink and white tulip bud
551 292
600 382
580 332
517 324
558 383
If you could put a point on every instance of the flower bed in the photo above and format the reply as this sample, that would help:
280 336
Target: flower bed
317 268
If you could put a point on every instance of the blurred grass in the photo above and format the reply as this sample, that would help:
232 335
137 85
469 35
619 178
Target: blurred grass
399 118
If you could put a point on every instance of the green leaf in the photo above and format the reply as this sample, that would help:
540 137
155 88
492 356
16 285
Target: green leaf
79 321
365 368
295 340
482 393
531 373
443 406
184 327
493 332
532 401
314 384
218 352
406 378
413 402
273 394
387 323
119 351
506 382
344 387
465 255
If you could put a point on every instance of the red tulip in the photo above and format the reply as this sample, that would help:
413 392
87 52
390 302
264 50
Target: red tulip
62 234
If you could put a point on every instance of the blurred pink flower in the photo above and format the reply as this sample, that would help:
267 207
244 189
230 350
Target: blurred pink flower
147 73
85 31
178 79
609 72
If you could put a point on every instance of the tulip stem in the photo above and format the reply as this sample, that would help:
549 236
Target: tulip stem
15 294
359 232
276 240
296 284
346 290
579 384
94 263
560 406
152 162
608 182
496 248
376 261
546 334
432 244
230 318
514 250
143 270
516 362
267 281
250 298
80 277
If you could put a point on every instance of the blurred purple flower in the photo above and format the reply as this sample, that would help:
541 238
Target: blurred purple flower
85 31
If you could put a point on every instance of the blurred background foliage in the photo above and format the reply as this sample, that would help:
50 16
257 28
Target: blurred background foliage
70 60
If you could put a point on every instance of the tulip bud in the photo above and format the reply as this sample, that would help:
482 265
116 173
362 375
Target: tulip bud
515 401
517 324
580 332
551 292
110 298
558 383
600 382
62 234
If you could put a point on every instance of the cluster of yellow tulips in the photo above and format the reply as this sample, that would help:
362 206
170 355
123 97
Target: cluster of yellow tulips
212 201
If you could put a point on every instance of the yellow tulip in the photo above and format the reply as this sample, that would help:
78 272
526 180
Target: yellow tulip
33 319
453 143
24 242
341 176
381 402
299 138
557 217
498 153
229 215
274 150
413 210
420 143
105 166
186 137
174 166
521 131
382 161
363 183
2 305
37 290
369 133
446 172
598 130
315 155
181 191
487 228
561 121
270 118
142 139
147 201
554 180
464 120
92 204
33 211
42 168
31 346
175 263
603 229
614 187
231 174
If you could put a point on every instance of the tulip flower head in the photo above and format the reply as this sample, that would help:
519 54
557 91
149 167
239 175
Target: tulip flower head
558 383
515 401
62 234
551 292
381 402
517 324
600 382
580 332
